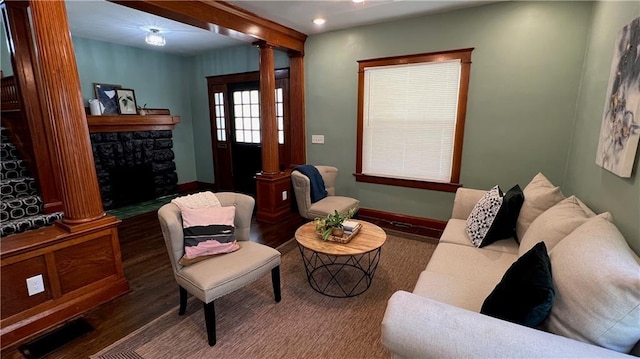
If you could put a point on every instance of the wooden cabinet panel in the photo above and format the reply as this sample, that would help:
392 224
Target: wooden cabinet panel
81 269
272 208
15 297
85 263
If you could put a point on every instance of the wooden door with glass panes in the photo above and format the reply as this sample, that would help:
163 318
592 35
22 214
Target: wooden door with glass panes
236 133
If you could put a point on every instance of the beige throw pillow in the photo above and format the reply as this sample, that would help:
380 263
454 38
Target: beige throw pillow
597 281
556 223
539 195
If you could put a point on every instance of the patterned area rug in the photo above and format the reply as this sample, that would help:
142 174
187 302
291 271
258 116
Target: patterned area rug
305 324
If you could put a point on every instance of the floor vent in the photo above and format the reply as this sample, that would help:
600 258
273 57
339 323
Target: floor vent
49 342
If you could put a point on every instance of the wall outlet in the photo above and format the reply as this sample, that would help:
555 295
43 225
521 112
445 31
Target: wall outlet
317 139
35 285
284 195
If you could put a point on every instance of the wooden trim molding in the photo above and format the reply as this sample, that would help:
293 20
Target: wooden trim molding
434 227
297 111
223 18
464 55
434 186
123 123
243 77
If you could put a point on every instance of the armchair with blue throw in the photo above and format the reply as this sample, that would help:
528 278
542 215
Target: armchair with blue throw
314 188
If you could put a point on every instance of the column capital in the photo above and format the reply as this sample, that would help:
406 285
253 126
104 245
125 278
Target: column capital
263 45
295 54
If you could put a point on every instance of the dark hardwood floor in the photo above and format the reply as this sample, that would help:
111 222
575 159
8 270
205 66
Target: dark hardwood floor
153 288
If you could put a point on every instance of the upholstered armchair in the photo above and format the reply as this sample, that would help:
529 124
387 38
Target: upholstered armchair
221 274
327 205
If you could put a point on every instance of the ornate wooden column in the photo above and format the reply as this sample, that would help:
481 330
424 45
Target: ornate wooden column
78 260
63 100
268 126
298 126
25 70
272 185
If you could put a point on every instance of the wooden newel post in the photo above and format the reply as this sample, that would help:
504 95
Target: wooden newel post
61 87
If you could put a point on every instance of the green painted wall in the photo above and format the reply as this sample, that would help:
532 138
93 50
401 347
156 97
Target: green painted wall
176 82
5 57
159 80
598 188
538 82
212 63
524 85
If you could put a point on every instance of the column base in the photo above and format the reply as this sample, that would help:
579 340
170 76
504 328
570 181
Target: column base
273 197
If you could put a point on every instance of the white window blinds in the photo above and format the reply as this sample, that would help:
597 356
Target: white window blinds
409 119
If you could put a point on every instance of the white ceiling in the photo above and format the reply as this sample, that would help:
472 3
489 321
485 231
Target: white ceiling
105 21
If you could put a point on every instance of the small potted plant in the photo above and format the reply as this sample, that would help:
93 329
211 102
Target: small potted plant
142 110
332 224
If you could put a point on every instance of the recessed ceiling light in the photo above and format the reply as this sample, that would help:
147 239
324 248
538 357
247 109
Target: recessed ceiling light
358 1
319 21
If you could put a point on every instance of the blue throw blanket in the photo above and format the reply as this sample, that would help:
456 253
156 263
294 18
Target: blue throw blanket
318 190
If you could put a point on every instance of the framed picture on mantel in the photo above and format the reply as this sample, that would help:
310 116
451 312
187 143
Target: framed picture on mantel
106 94
126 101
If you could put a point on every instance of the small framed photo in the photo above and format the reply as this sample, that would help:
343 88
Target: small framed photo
126 101
106 94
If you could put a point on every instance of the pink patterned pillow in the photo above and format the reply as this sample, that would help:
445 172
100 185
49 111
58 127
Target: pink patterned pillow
207 231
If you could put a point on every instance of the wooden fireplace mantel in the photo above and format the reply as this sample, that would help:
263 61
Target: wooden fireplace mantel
121 123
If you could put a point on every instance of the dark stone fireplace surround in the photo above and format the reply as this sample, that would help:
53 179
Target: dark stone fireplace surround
134 166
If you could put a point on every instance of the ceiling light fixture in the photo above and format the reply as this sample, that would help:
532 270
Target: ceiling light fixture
319 21
155 38
358 1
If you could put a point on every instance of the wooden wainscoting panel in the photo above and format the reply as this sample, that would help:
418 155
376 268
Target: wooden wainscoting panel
15 297
271 207
81 268
85 263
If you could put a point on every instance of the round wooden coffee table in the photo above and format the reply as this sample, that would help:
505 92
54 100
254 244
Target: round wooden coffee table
341 269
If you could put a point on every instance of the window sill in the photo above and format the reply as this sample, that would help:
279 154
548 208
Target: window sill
434 186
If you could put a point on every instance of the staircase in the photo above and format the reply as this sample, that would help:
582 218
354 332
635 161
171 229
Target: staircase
21 207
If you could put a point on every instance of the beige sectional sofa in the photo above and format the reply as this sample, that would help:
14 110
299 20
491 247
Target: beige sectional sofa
595 313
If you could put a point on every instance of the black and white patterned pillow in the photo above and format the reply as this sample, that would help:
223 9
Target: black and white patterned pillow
483 215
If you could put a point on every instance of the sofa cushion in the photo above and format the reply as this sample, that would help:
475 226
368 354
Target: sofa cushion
597 281
556 223
483 217
462 275
525 293
505 224
332 203
455 233
494 216
539 195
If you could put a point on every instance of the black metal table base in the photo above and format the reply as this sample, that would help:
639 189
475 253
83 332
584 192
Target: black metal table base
340 276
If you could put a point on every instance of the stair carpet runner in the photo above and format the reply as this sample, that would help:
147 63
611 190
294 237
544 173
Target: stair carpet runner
21 208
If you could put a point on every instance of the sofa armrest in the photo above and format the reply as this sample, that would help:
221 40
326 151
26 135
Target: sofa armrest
419 327
464 201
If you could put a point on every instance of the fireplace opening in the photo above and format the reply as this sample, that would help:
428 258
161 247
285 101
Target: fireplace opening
134 166
130 185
